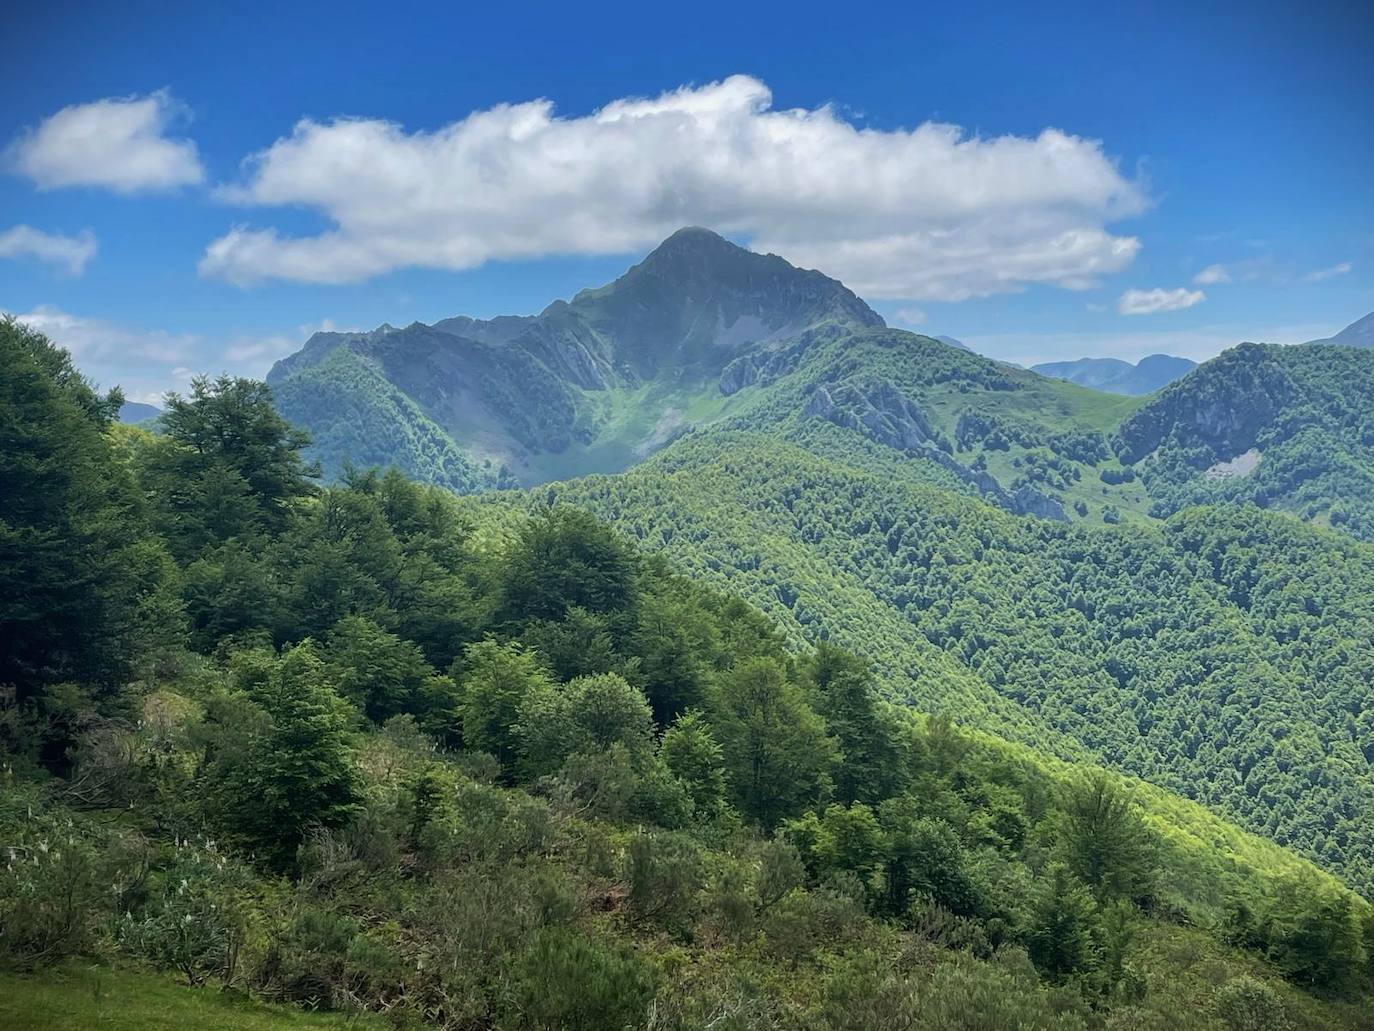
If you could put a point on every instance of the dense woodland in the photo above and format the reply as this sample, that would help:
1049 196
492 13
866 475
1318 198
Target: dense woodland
363 747
1226 655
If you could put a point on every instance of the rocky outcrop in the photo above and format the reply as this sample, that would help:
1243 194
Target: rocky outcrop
740 373
1029 501
882 413
1221 406
875 408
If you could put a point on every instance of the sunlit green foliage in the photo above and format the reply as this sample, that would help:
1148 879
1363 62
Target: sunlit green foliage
509 772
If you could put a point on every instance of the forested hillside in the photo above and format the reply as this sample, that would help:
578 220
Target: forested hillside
1226 655
1282 427
360 748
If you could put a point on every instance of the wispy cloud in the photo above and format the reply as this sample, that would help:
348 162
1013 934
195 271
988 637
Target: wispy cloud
1149 302
1212 274
69 253
260 350
926 214
120 143
911 316
1321 274
90 339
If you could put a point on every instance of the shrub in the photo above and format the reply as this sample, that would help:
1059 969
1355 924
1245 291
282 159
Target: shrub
664 871
1245 1004
196 920
567 982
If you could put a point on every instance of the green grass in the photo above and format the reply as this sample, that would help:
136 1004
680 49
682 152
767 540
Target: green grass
78 997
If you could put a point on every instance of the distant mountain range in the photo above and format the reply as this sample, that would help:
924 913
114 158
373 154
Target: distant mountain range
137 411
1119 377
705 336
1359 333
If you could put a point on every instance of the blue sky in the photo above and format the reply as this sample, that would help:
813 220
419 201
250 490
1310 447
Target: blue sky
196 191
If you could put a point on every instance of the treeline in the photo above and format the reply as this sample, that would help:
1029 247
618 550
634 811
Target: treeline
344 747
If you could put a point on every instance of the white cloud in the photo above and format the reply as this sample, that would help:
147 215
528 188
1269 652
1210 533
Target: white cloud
119 143
929 213
1328 273
69 252
911 316
148 363
1148 302
260 351
1212 274
90 339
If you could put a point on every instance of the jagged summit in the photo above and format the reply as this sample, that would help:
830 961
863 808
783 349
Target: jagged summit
510 391
691 243
698 267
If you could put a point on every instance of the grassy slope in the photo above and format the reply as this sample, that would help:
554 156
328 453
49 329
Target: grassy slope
79 997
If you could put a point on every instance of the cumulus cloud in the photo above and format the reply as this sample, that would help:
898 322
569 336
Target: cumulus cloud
1328 273
929 213
1212 274
120 143
1148 302
69 253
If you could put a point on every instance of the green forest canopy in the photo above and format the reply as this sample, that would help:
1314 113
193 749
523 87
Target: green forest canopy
343 745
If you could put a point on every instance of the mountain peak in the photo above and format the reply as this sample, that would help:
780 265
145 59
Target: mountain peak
696 266
694 250
695 243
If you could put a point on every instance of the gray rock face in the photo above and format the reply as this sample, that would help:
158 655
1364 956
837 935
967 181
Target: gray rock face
1029 501
762 367
880 412
874 408
740 373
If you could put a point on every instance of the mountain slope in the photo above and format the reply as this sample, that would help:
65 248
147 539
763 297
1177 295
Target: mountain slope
1283 427
704 334
701 333
588 385
861 483
1115 376
1359 333
136 411
1202 656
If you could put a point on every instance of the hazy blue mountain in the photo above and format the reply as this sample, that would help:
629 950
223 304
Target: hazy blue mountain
1115 376
1359 333
137 411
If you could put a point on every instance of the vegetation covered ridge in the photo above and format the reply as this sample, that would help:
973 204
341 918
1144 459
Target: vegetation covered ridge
337 746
